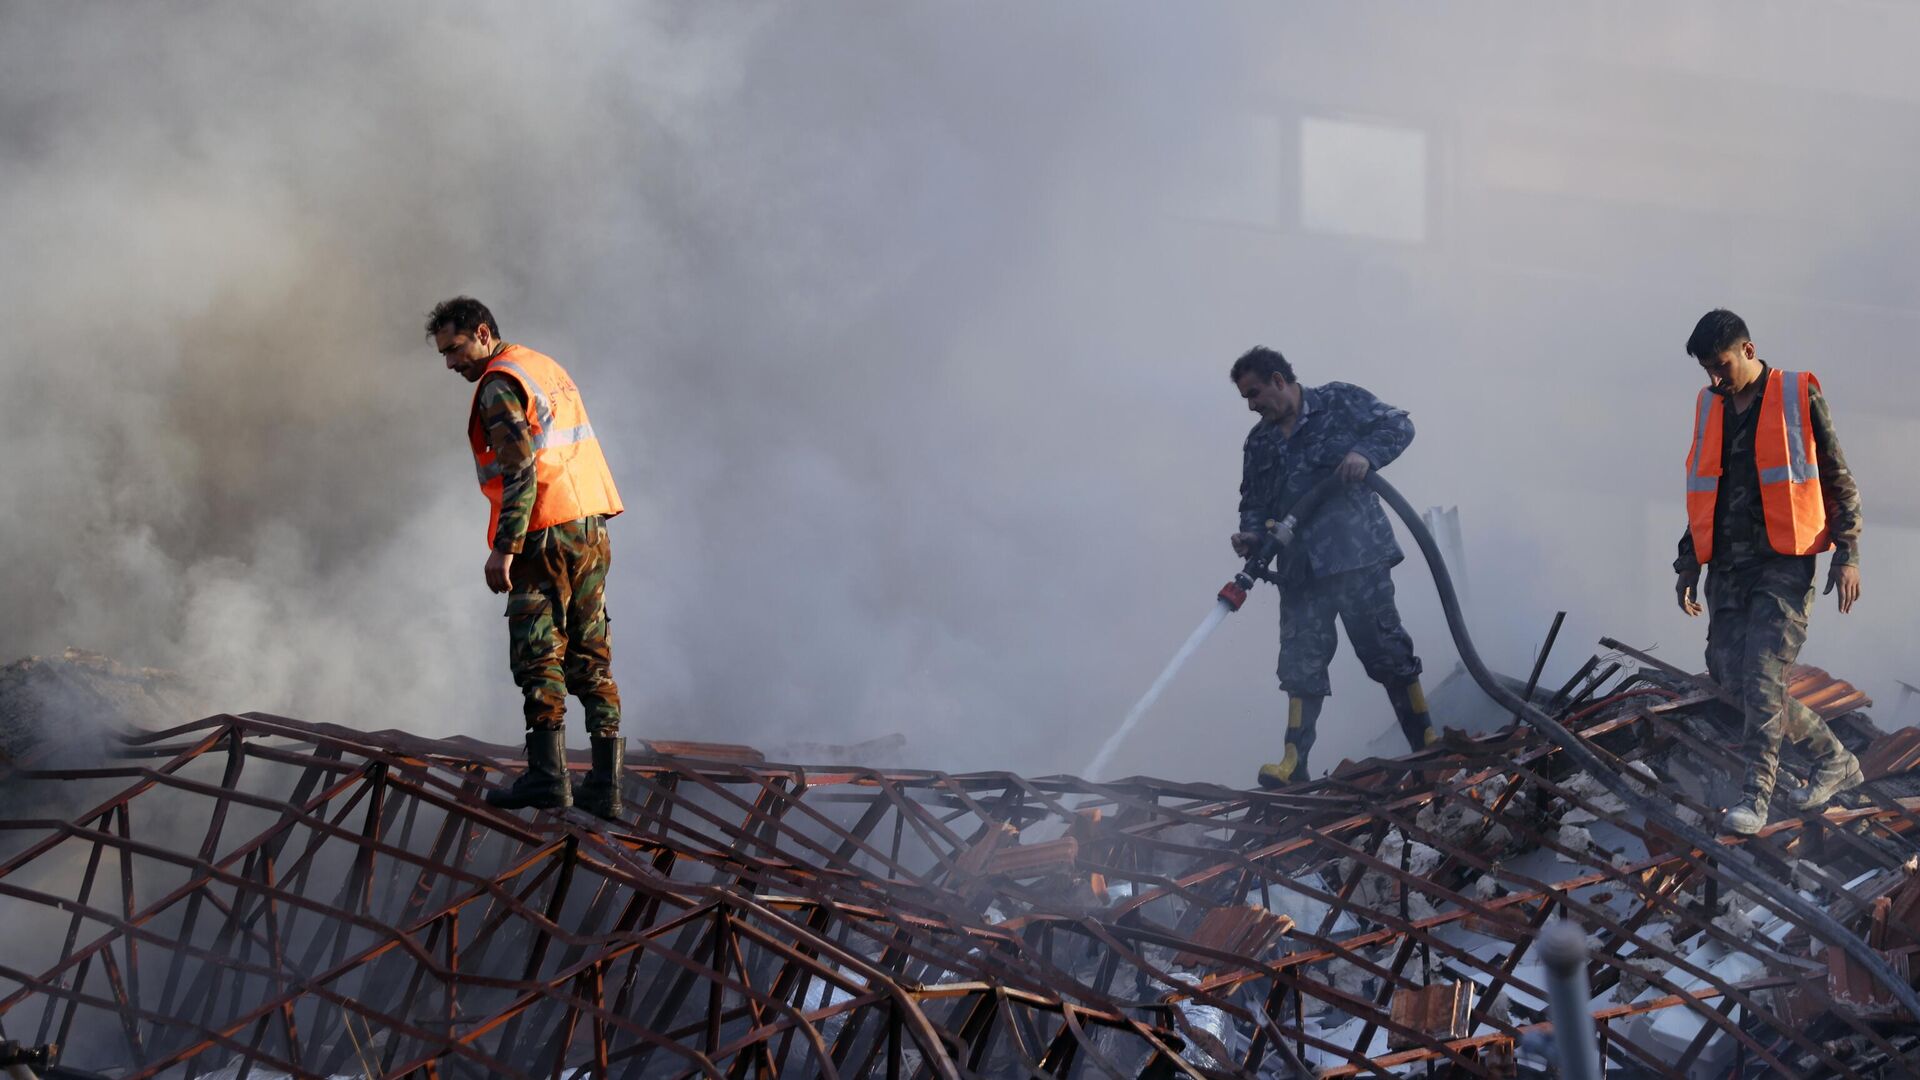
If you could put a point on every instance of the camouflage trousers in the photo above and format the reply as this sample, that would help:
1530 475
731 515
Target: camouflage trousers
557 626
1757 622
1363 601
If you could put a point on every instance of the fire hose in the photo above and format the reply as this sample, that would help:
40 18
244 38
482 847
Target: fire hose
1735 861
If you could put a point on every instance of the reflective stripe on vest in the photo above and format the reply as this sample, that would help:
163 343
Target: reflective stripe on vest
571 479
1697 477
541 440
568 437
542 410
1799 468
1784 457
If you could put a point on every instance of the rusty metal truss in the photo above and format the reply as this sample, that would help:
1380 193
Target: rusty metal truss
313 900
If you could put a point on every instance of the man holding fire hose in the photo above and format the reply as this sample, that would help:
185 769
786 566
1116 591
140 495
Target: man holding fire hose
1340 563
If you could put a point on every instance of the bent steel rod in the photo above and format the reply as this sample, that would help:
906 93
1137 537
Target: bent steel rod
1736 861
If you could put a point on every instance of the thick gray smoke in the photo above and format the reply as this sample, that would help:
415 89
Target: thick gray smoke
906 331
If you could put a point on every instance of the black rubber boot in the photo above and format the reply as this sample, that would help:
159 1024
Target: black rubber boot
544 786
600 791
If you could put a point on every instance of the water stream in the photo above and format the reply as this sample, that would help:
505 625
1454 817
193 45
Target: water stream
1199 636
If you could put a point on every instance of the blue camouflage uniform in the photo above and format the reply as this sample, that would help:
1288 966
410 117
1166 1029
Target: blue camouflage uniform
1339 562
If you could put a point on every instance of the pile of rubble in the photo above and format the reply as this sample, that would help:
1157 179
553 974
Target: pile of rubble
315 900
83 692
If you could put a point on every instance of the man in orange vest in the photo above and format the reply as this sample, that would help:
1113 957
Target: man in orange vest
550 494
1767 491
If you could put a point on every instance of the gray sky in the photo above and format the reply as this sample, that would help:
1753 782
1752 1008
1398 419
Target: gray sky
906 332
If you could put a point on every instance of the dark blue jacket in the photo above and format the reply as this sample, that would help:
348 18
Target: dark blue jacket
1350 530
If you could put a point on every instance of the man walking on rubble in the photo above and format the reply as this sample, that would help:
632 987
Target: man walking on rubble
550 494
1767 491
1340 563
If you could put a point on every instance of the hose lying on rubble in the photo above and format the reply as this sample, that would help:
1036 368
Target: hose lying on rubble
1737 862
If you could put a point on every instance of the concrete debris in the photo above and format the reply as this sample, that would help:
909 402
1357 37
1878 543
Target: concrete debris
84 692
1640 963
1596 795
1484 886
1574 838
1646 781
1348 978
1412 856
1736 923
1457 823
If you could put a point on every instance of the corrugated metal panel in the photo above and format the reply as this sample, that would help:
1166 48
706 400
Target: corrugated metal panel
1824 694
1246 931
1440 1011
1850 987
1891 755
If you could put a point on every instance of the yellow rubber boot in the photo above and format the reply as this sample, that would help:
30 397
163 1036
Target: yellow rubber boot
1303 716
1279 774
1410 708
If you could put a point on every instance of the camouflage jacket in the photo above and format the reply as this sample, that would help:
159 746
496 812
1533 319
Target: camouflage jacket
503 415
1350 530
1739 519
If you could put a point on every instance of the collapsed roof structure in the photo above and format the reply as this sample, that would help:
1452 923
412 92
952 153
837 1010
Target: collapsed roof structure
255 895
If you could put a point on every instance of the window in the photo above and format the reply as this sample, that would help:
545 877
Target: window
1360 179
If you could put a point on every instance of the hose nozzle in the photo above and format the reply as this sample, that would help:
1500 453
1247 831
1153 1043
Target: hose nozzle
1259 562
1233 593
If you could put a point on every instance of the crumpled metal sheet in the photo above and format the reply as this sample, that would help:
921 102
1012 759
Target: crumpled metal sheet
314 899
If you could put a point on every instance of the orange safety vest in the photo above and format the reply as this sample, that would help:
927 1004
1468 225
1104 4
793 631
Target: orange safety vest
1783 450
571 479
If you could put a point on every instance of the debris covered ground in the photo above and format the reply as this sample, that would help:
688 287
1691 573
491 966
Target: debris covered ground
316 900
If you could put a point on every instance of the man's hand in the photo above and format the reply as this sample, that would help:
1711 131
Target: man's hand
499 571
1685 591
1243 543
1846 578
1353 468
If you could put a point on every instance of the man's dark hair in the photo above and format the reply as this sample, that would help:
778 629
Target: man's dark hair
462 315
1716 332
1263 362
